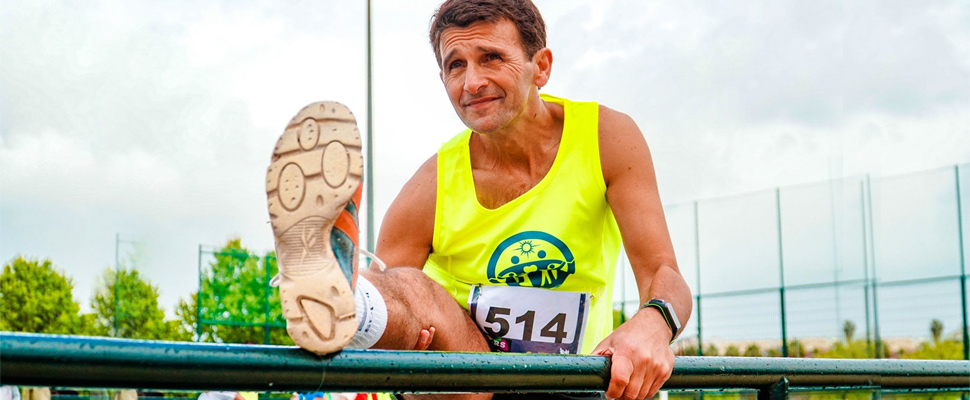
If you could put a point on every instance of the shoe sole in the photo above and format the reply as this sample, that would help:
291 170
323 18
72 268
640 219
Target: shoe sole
315 171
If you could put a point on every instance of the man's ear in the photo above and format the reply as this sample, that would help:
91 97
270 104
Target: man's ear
543 62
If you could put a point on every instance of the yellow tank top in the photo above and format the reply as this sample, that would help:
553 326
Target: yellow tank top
559 235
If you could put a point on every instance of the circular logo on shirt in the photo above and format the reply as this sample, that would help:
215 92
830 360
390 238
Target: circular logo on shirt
531 258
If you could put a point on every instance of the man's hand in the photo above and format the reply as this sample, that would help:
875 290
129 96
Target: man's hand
641 355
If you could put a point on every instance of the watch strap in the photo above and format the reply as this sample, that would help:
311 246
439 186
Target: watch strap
661 306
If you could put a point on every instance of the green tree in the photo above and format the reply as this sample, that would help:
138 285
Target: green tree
36 297
936 329
237 304
138 313
618 318
687 350
849 329
854 349
752 351
732 351
940 350
796 348
711 350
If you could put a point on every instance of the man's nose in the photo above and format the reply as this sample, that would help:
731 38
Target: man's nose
475 79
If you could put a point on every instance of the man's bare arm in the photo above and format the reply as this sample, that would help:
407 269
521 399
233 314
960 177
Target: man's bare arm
642 359
408 227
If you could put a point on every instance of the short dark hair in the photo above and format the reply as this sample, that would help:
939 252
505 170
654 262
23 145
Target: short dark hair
462 13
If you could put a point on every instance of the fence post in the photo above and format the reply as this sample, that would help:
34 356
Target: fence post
777 391
697 257
198 302
865 265
874 279
781 273
114 316
963 267
266 320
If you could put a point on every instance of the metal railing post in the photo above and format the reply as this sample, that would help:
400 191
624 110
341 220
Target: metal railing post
370 133
781 273
697 257
865 267
875 283
198 302
777 391
114 316
268 291
963 267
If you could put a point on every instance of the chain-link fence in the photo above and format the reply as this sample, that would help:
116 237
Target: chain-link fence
878 264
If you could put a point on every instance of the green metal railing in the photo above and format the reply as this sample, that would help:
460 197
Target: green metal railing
74 361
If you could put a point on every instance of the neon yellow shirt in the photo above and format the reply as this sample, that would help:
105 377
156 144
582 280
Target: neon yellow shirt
559 235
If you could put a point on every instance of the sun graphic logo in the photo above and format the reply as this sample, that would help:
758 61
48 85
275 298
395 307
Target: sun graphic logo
531 258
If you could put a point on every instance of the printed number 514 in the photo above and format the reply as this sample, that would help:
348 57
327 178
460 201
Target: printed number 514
554 329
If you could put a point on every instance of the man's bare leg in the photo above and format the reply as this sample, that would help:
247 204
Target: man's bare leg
415 303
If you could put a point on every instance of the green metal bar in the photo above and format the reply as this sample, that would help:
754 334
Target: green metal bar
803 286
71 361
800 286
921 280
781 278
851 282
76 361
963 268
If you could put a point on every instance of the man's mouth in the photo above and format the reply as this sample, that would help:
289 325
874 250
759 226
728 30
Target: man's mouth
479 101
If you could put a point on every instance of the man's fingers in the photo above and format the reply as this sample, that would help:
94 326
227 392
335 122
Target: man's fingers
620 373
637 381
648 389
659 372
424 339
602 349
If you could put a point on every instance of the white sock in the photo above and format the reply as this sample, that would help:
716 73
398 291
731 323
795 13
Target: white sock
371 315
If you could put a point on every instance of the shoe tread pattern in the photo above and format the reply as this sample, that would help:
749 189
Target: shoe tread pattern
315 170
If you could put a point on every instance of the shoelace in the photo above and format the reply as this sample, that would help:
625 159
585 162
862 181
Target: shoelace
275 281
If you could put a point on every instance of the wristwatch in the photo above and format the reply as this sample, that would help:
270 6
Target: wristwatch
670 316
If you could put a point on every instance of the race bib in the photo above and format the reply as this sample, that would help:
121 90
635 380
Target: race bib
522 319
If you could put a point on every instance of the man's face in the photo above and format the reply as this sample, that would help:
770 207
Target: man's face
486 73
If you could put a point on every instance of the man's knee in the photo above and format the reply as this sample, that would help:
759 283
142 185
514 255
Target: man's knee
414 302
407 285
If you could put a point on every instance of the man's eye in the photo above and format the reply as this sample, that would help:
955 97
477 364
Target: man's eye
454 64
493 57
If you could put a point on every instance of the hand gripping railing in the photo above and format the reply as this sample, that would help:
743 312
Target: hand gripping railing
74 361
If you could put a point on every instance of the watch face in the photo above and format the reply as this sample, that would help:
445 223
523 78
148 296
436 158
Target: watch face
670 315
673 318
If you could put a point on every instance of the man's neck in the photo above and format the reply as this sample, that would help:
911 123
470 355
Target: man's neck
527 142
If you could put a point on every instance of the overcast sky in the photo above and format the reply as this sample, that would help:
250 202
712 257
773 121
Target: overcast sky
156 120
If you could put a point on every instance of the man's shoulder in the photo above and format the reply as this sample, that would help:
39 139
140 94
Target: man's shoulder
610 116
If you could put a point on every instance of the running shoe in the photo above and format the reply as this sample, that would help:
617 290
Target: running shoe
313 188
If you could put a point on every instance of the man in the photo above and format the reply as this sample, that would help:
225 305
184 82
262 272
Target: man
530 202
